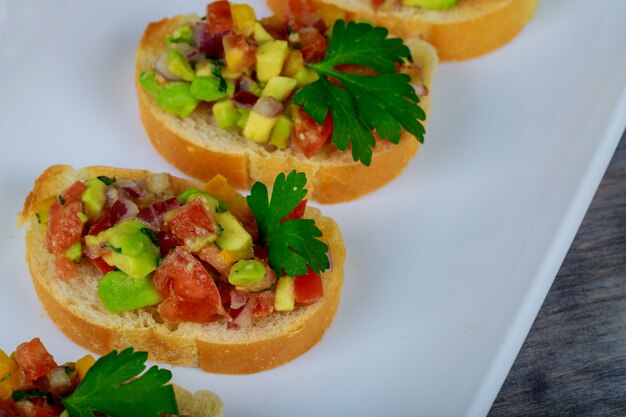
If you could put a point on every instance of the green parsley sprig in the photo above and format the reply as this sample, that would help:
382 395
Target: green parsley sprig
292 245
384 103
112 386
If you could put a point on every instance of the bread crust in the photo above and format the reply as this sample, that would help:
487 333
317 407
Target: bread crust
333 176
470 29
189 344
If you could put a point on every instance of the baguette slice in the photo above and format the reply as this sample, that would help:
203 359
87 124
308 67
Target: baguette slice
469 29
196 146
202 403
76 309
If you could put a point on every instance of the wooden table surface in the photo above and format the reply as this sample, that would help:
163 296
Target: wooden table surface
573 362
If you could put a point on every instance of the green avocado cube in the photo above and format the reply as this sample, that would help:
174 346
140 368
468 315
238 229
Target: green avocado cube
75 252
430 4
120 292
281 132
270 57
183 34
134 247
259 128
213 203
246 273
211 88
226 115
279 87
178 65
234 237
285 298
173 97
261 35
94 197
305 77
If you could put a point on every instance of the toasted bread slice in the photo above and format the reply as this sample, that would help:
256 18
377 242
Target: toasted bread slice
469 29
196 146
75 307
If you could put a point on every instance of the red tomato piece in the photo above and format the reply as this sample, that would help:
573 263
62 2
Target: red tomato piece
308 136
34 360
65 228
75 191
183 280
218 17
297 212
300 14
192 221
308 287
377 3
264 304
312 45
104 267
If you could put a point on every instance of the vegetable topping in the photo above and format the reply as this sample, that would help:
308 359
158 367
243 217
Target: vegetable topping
198 256
33 385
308 83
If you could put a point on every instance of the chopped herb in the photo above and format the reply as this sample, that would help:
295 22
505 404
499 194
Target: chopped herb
113 386
159 261
107 180
62 200
362 104
22 395
113 248
220 229
150 233
7 376
217 72
292 245
297 45
38 221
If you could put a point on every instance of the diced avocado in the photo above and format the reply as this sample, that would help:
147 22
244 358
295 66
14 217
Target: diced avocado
133 247
173 97
430 4
285 297
259 128
120 292
260 34
211 88
178 65
94 197
212 202
183 34
281 132
234 238
279 87
246 273
243 119
244 18
75 252
270 58
226 115
306 76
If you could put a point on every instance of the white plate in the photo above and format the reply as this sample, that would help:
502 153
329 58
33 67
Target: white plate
447 266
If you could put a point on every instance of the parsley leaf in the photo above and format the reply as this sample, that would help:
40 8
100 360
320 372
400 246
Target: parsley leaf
113 387
293 244
107 180
385 103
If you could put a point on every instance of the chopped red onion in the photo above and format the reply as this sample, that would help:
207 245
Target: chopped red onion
245 99
268 107
207 42
237 299
244 83
161 68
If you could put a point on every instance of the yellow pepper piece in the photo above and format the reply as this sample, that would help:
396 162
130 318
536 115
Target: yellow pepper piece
330 14
8 376
83 365
43 209
243 18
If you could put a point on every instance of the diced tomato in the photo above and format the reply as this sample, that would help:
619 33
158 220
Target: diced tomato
218 16
297 212
192 294
75 191
167 240
211 255
264 304
312 45
65 228
100 226
192 221
300 14
275 27
239 54
308 287
308 136
66 269
104 267
34 360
